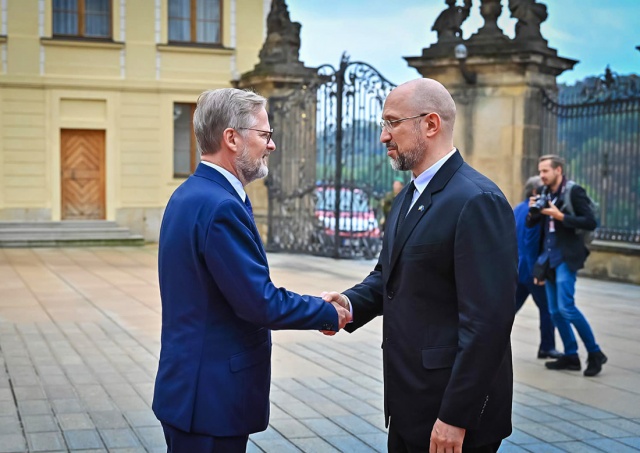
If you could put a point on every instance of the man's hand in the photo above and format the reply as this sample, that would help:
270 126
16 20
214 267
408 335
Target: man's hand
446 438
341 304
538 282
552 211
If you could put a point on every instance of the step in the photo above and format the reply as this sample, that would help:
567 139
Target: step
66 233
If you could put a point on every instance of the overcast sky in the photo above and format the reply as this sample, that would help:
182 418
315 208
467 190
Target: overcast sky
381 32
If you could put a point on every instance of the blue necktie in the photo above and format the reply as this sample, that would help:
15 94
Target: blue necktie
406 204
247 204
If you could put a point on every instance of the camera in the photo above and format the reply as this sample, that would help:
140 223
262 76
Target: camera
542 202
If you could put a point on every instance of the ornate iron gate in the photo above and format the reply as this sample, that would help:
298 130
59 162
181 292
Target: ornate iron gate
595 126
330 171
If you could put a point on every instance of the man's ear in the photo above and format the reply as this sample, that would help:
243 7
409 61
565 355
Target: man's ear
230 139
434 124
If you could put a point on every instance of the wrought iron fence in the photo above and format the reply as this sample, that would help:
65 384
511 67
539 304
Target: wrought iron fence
324 198
596 128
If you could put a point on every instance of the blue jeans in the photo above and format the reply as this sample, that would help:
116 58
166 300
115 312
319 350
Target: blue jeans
560 295
547 337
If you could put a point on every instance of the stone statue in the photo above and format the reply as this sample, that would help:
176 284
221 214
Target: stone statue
282 45
530 15
448 23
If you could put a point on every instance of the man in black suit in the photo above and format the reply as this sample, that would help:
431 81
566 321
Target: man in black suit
445 282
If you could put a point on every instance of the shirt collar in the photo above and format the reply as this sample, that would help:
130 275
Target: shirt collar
423 179
235 182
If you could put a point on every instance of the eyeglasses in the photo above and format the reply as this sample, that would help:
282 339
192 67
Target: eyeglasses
268 136
388 124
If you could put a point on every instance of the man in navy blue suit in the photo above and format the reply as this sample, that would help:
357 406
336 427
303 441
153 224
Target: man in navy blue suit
218 300
445 283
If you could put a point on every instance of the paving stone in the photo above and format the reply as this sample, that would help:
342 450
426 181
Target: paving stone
631 441
349 444
34 407
542 448
324 427
119 438
9 424
603 429
611 445
83 439
575 447
300 410
12 443
67 405
354 424
590 412
314 445
141 418
627 425
7 408
562 413
572 430
544 433
277 446
6 395
268 434
251 448
45 441
75 421
377 441
151 437
108 419
32 392
39 423
510 448
59 391
519 438
291 428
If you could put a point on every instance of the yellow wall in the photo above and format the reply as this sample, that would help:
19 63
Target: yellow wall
126 87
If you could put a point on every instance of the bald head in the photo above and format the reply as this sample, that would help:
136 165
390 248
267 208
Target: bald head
426 96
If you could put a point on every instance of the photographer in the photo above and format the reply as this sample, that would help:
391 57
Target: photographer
562 253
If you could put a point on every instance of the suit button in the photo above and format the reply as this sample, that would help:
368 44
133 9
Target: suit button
390 295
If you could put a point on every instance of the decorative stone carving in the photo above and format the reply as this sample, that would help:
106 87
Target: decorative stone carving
490 10
530 15
448 23
282 45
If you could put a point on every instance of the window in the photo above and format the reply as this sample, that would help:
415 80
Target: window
185 151
194 21
82 18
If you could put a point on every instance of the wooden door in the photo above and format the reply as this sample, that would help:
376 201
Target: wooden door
82 174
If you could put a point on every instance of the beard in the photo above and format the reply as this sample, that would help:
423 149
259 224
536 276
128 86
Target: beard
410 158
250 169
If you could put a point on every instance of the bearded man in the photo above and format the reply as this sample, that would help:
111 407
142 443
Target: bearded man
218 301
445 284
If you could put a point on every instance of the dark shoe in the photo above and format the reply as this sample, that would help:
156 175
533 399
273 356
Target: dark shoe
594 363
550 354
566 362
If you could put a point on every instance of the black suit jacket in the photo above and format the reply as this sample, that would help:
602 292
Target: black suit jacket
572 247
446 287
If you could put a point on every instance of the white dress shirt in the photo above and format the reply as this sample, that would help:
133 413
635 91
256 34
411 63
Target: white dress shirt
235 182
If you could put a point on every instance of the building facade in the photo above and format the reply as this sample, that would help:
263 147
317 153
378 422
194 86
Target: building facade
96 100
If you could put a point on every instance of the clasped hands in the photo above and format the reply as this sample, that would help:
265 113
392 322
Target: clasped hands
341 304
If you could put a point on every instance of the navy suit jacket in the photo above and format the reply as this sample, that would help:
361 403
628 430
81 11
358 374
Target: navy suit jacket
446 282
218 304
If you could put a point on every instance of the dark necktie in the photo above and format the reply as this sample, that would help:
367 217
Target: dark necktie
406 204
247 204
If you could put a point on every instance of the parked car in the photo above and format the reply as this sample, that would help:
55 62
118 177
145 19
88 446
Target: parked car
359 228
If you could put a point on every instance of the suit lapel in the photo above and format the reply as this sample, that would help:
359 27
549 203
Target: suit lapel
204 171
421 206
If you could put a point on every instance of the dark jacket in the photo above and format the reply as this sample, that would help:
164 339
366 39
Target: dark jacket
574 253
446 283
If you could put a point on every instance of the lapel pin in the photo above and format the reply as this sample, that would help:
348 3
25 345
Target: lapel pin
421 208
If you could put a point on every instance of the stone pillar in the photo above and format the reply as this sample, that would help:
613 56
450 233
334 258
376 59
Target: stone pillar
279 73
496 87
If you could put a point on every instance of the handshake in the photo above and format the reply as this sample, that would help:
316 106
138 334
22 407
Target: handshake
342 306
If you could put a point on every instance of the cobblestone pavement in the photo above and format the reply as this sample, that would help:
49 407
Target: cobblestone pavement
79 341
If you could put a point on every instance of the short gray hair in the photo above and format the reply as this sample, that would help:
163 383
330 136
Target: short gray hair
220 109
531 186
